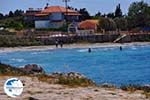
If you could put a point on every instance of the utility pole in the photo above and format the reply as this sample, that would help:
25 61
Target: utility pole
47 4
66 4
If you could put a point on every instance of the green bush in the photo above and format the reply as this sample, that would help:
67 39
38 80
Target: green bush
9 70
62 29
133 88
13 41
75 81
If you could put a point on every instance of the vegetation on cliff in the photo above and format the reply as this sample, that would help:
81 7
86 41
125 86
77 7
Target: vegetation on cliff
70 79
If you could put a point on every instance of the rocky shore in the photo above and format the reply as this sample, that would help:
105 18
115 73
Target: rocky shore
63 86
37 90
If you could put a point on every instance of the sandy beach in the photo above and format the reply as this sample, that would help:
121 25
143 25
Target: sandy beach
81 45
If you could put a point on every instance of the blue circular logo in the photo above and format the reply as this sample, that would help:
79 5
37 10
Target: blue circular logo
13 87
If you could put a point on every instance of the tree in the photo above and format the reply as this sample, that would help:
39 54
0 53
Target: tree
104 15
85 14
107 24
18 12
1 15
97 15
121 23
70 7
118 11
14 24
11 14
139 15
111 15
75 9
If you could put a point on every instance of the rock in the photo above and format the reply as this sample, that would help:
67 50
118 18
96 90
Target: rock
71 79
107 85
75 75
68 75
31 98
32 69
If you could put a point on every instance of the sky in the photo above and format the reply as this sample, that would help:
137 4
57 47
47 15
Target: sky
93 6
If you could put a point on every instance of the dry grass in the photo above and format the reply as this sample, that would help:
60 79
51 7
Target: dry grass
133 88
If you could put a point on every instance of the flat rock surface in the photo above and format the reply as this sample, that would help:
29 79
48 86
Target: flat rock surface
44 91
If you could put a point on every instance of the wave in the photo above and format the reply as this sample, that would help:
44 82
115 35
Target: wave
17 60
104 49
95 49
133 48
108 49
83 50
35 53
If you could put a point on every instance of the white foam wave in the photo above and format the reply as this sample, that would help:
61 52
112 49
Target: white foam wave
133 48
17 60
82 50
105 49
35 53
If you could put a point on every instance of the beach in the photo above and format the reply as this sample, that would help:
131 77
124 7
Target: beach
68 46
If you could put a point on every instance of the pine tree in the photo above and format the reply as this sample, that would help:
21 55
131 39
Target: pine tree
118 11
11 14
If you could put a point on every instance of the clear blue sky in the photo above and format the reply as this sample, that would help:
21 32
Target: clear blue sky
92 6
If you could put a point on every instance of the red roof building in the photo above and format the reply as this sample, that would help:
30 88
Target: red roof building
54 17
89 24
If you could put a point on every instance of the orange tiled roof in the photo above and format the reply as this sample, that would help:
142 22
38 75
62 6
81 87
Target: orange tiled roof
88 24
53 9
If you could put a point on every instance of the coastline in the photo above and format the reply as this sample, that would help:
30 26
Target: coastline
46 90
38 90
67 46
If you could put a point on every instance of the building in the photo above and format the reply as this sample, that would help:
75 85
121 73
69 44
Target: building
84 27
89 25
55 17
29 16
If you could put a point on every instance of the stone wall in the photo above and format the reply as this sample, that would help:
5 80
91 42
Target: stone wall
96 38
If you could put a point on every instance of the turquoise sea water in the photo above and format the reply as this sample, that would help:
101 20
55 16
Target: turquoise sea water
103 65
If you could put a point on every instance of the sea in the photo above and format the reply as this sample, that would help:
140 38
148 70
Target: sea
131 65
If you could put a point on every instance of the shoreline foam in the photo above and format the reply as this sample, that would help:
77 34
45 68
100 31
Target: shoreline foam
68 46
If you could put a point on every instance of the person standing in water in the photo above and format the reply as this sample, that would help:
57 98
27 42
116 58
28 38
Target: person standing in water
89 50
120 48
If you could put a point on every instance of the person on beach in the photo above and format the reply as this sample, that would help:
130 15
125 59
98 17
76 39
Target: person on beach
89 50
61 44
56 43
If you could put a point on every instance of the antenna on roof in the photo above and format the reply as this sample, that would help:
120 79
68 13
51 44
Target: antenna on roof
47 4
66 4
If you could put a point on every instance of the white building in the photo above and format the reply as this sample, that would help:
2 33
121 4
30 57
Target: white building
54 17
